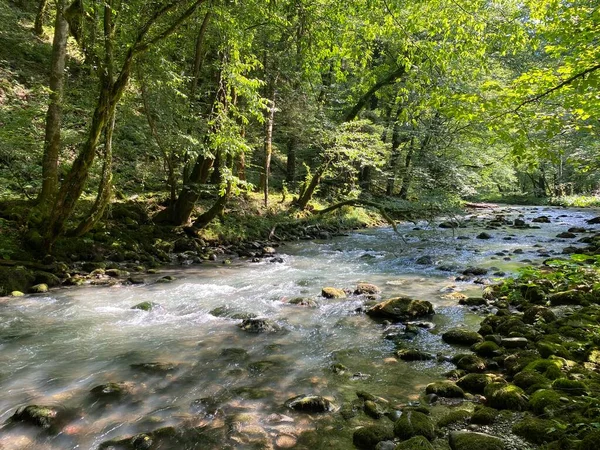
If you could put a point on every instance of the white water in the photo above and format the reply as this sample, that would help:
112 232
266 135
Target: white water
54 348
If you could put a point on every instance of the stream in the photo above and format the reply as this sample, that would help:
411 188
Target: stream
56 347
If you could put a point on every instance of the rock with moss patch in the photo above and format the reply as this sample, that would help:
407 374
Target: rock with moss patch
310 404
39 288
415 443
331 292
536 431
111 391
47 278
570 297
570 387
590 441
166 279
146 306
155 368
544 401
48 418
550 368
472 301
15 279
445 389
530 381
465 440
469 362
456 416
461 336
535 314
366 289
414 423
304 301
401 308
475 383
487 349
548 349
484 415
505 396
260 325
17 294
414 355
368 436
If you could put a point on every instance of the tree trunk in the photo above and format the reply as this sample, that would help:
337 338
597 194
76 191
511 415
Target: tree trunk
290 175
407 178
308 192
54 113
105 189
268 145
216 209
394 158
198 59
38 26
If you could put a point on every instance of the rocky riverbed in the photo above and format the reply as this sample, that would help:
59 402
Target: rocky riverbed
373 340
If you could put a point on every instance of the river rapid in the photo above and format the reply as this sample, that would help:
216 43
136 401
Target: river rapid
56 347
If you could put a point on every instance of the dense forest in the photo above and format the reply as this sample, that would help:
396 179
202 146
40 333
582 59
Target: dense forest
136 135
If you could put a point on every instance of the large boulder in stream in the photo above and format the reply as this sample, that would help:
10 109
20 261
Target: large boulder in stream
261 326
49 418
401 309
310 404
331 292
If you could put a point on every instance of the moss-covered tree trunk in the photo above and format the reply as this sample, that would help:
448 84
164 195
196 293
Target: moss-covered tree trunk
38 26
54 114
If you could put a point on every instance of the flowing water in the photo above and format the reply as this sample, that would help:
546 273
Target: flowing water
55 347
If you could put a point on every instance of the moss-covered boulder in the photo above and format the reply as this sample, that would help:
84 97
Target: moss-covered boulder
414 423
505 396
465 440
570 387
445 389
166 279
401 308
469 362
570 297
475 383
487 349
550 368
415 443
536 431
304 301
590 441
111 391
368 436
452 417
461 336
310 404
15 279
548 349
331 292
484 415
38 288
536 314
544 401
146 306
47 278
414 355
472 301
531 381
48 418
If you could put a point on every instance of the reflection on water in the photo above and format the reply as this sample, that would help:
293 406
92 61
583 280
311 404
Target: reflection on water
54 348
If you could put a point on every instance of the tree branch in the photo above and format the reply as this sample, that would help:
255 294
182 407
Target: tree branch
357 202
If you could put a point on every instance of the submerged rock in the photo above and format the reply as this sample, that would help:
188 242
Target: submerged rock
414 355
155 367
260 326
310 404
461 336
111 391
146 306
48 418
401 308
304 301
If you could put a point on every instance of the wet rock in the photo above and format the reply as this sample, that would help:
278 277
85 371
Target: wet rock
310 404
166 279
414 355
454 416
505 396
484 415
461 336
475 271
47 278
566 235
415 443
448 224
146 306
366 289
536 430
111 391
17 294
541 219
369 436
401 308
465 440
571 387
116 273
576 230
304 301
156 368
469 362
570 297
472 301
374 410
475 383
424 260
515 342
519 223
445 389
38 288
484 235
414 423
594 221
487 349
331 292
261 326
48 418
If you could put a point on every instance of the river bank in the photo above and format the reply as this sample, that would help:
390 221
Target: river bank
184 374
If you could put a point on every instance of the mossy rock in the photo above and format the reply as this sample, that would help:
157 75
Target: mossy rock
570 387
536 314
166 279
475 383
536 431
415 443
366 289
41 288
505 396
155 368
544 399
48 418
550 368
368 436
331 292
310 404
111 391
445 389
472 301
511 325
460 336
487 349
484 415
374 409
530 381
465 440
548 349
413 423
469 362
589 442
401 308
47 278
304 301
570 297
414 355
458 415
258 326
146 306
